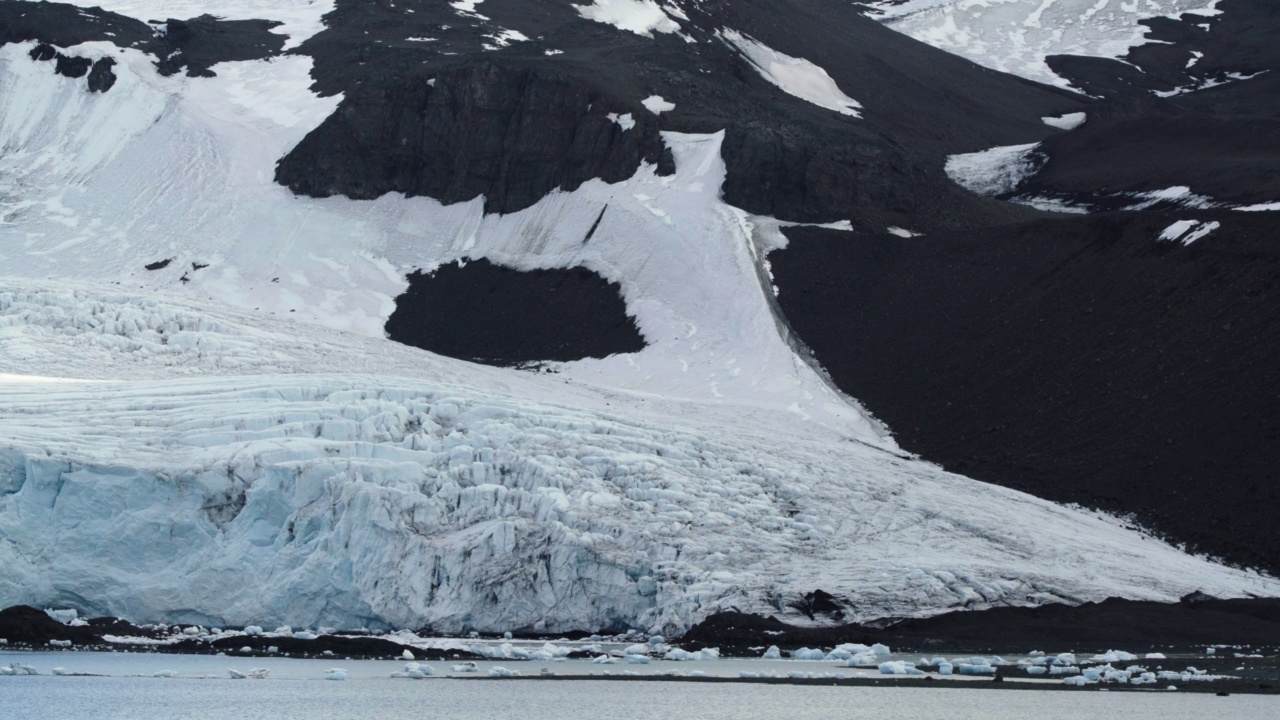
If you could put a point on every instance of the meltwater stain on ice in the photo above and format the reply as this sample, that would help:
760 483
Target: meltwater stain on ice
495 315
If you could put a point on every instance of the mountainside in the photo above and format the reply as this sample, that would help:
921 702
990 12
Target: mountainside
684 236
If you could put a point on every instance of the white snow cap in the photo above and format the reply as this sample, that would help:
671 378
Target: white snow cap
642 17
796 76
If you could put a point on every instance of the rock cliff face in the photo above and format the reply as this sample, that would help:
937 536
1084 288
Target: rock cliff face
511 135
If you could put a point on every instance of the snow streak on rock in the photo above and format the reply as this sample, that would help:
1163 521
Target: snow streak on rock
796 76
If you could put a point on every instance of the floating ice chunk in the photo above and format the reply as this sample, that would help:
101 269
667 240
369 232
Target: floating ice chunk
773 653
467 667
899 667
1154 656
1065 659
656 105
1037 670
1070 121
638 659
1111 656
971 669
60 643
642 17
246 649
636 649
882 650
407 655
498 671
938 661
979 661
604 660
1075 680
1064 670
684 655
273 649
996 171
657 640
335 674
795 76
1208 650
808 654
253 630
164 674
304 635
254 674
415 671
862 660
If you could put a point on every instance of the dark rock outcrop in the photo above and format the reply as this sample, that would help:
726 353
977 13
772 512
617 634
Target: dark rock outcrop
491 314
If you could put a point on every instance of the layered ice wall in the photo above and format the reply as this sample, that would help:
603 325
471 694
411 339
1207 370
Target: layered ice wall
438 493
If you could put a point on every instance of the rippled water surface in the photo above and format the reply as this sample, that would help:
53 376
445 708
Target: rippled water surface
297 689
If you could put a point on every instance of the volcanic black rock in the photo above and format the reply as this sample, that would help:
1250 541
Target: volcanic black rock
487 313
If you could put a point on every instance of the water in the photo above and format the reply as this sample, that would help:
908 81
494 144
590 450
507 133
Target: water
296 690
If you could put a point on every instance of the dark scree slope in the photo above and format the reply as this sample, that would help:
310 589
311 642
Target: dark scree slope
1076 359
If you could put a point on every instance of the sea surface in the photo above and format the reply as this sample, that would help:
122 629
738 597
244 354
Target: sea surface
298 689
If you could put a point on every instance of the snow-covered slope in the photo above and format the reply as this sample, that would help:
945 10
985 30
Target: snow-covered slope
435 492
1015 36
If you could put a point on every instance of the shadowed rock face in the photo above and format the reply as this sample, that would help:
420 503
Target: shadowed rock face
1077 359
511 135
194 45
487 313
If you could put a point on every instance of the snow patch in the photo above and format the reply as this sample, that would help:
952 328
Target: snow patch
656 105
642 17
795 76
1188 231
996 171
1069 121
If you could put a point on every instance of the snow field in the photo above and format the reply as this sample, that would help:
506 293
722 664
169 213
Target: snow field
1015 36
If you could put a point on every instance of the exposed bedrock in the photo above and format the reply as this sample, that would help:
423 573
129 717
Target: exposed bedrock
193 44
1079 359
510 134
488 313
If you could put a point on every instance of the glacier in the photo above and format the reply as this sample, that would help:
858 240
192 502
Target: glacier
437 493
238 443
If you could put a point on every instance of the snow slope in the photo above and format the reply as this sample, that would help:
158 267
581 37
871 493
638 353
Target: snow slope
432 491
1015 36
